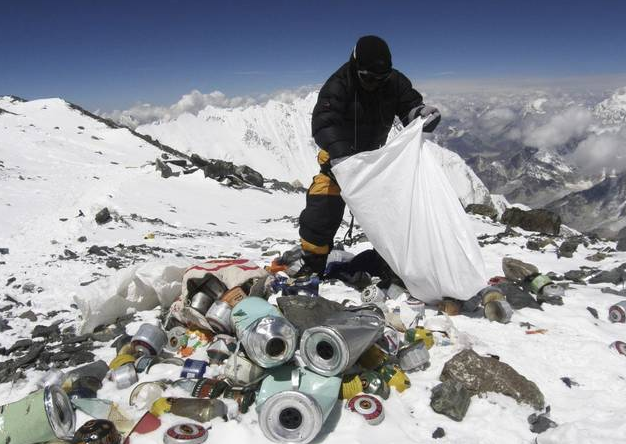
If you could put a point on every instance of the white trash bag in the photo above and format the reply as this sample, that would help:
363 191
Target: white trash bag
410 213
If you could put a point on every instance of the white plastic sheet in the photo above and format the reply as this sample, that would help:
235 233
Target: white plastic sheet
410 213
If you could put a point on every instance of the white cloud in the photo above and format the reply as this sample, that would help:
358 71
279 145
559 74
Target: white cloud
560 129
194 102
605 150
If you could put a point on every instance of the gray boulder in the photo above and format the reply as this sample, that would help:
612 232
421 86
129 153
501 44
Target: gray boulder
516 270
482 210
615 276
485 374
450 398
542 221
621 240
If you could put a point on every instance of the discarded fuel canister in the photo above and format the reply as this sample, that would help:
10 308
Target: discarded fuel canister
149 340
373 357
124 376
499 311
294 403
201 302
241 371
234 296
617 312
42 416
373 295
185 434
374 384
419 334
369 407
268 338
220 348
176 338
335 346
351 386
538 282
413 356
209 388
619 347
121 360
395 377
90 382
553 290
218 317
193 368
97 431
491 293
198 409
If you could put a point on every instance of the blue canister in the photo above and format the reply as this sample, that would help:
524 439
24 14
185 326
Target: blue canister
193 368
293 403
267 336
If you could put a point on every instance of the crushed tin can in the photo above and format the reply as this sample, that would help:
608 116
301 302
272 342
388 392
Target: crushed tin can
268 338
617 312
390 341
209 388
47 412
241 371
369 407
124 376
97 431
218 317
413 356
149 340
234 296
201 302
499 311
220 348
244 397
176 338
538 282
193 368
185 434
373 384
490 294
144 394
373 295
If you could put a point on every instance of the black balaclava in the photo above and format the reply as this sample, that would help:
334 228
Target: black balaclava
372 54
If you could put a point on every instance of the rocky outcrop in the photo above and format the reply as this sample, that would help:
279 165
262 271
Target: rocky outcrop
542 221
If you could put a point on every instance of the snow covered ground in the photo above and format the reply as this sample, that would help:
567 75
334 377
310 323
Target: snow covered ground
49 176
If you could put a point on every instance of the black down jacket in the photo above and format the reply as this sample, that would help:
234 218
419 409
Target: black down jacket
347 119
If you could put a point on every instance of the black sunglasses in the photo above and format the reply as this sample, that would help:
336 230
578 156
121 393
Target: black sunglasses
373 77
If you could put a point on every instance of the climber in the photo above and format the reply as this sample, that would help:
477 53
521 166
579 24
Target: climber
355 111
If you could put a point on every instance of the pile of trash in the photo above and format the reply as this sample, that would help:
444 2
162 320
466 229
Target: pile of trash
291 360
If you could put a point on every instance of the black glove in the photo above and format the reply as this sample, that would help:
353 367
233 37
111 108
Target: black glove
432 115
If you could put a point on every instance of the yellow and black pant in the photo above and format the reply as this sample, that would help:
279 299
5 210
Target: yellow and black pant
322 216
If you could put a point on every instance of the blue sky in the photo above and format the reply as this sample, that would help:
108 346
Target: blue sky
110 55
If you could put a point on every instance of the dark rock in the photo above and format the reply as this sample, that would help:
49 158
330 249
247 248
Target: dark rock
60 356
482 375
597 257
165 169
81 357
568 247
10 281
103 216
42 331
22 344
28 287
517 297
615 276
621 240
82 239
76 339
114 262
482 210
569 382
577 275
99 251
450 398
542 221
516 270
538 244
439 433
4 251
540 423
31 356
69 254
593 312
29 315
613 291
250 176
